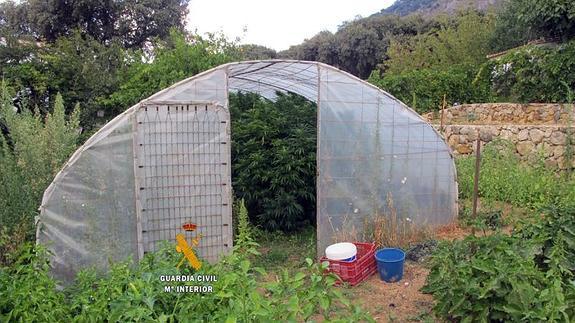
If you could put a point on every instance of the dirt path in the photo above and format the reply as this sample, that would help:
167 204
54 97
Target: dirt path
401 301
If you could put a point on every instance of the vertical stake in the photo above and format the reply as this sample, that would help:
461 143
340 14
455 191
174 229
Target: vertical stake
476 181
442 113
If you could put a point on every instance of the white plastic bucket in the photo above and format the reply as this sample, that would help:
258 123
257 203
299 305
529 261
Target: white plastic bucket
343 251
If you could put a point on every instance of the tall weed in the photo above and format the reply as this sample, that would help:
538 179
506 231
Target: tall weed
32 151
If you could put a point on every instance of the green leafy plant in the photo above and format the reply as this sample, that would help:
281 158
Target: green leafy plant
31 153
427 86
273 159
134 292
528 276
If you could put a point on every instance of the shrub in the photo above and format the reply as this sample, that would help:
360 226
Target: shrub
273 158
424 89
31 153
528 276
534 74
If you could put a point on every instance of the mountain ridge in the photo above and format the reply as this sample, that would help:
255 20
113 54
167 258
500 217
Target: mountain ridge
431 7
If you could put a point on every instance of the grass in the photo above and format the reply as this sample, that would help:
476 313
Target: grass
285 250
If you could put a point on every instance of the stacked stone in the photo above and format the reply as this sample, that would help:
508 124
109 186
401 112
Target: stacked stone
536 130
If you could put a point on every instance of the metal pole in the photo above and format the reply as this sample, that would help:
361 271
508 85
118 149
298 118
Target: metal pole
476 181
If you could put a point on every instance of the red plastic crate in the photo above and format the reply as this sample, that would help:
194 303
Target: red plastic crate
357 271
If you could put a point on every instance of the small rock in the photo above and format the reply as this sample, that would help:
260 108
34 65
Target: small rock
536 135
464 149
558 151
523 135
525 147
486 136
557 138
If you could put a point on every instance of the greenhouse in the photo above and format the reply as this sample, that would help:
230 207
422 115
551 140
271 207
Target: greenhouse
164 164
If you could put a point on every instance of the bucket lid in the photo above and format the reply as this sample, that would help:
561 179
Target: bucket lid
340 251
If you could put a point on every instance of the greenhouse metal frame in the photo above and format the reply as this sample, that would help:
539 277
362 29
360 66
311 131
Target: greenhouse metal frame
165 163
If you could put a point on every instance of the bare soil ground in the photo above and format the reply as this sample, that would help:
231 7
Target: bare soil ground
401 301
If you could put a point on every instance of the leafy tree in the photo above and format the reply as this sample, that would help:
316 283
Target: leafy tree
256 52
273 158
549 18
462 40
176 58
78 66
140 21
134 22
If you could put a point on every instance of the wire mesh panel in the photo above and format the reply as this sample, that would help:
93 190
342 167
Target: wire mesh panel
183 174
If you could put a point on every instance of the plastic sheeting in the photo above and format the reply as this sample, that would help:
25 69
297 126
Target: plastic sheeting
114 199
377 158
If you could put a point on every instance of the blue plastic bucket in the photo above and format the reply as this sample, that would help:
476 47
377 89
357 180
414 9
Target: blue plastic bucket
390 264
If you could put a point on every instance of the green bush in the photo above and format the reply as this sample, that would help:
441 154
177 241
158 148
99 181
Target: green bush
528 276
174 59
504 178
31 154
534 74
424 89
274 159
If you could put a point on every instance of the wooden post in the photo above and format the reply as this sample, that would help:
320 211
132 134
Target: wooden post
476 181
442 113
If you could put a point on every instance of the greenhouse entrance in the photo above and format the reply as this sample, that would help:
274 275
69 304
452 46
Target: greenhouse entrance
183 175
163 166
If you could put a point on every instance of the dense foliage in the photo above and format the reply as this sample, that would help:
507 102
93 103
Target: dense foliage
528 276
359 46
459 40
504 178
534 74
31 153
274 158
136 293
424 89
548 18
132 22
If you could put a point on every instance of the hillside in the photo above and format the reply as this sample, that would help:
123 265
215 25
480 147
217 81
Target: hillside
406 7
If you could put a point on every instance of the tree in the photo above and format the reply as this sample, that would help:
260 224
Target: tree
359 45
141 20
461 40
547 18
135 22
256 52
78 66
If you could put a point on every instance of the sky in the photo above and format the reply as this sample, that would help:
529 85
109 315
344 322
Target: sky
276 24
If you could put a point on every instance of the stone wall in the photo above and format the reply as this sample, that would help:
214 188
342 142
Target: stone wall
536 130
503 113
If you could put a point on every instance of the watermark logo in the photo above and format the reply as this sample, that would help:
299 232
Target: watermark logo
182 246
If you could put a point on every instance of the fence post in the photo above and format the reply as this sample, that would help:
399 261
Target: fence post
476 180
442 113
